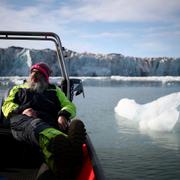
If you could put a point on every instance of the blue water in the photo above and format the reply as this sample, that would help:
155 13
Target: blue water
124 151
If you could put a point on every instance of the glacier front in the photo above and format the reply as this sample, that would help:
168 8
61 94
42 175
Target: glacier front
17 60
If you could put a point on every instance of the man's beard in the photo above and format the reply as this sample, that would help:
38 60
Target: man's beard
39 86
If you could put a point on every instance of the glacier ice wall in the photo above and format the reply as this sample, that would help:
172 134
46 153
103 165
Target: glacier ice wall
17 60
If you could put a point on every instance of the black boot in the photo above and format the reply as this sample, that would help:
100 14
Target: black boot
62 156
77 137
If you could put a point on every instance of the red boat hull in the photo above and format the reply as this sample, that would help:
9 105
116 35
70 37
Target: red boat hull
87 171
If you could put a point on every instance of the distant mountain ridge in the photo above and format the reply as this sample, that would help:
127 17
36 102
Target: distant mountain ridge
18 60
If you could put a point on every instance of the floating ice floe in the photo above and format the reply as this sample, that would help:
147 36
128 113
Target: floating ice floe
159 115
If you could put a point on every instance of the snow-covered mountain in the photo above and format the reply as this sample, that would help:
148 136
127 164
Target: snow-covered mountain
17 60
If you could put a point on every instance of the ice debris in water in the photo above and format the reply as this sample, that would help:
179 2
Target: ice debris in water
159 115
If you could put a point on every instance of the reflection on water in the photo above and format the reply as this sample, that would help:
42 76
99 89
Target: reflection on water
165 139
169 140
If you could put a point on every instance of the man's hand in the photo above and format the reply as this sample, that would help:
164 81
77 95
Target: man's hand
62 122
30 112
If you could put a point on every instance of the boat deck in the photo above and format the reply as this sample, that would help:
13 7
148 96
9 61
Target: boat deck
18 174
16 159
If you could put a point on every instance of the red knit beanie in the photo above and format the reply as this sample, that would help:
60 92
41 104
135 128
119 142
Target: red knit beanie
43 68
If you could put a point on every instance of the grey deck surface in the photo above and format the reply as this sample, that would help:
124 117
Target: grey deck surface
18 174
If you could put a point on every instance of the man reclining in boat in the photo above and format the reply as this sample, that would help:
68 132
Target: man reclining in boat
39 114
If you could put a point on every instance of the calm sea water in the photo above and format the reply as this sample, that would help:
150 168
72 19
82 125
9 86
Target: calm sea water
124 151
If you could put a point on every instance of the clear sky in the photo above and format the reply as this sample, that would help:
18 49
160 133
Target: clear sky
141 28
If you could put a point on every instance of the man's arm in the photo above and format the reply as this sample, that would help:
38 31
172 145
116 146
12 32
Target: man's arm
68 108
9 105
67 112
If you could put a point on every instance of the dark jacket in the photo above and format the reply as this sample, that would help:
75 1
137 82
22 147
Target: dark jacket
49 104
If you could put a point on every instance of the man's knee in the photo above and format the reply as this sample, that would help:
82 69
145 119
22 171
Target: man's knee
19 122
38 125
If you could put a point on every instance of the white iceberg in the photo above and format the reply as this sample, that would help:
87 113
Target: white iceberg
159 115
